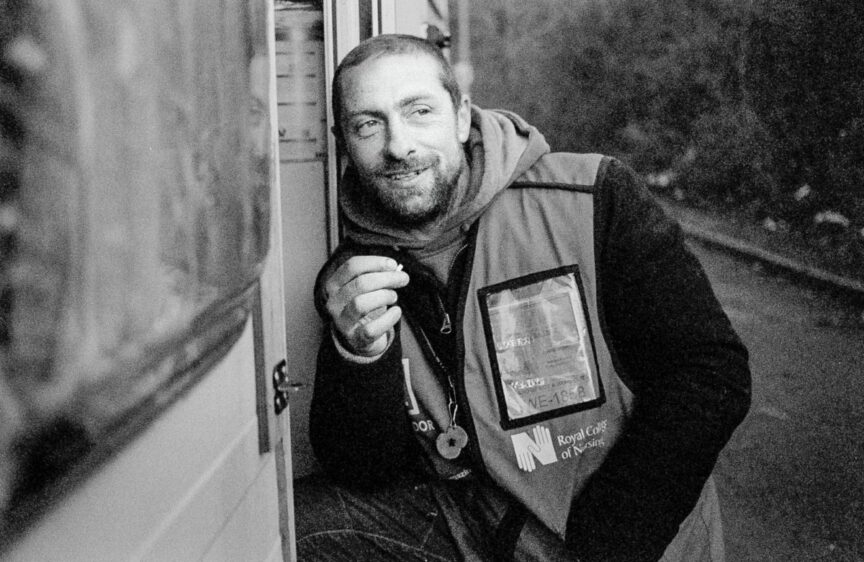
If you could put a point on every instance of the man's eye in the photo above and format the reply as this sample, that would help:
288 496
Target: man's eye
421 111
367 128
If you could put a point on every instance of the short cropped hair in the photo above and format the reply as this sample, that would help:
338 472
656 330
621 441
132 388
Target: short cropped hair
393 44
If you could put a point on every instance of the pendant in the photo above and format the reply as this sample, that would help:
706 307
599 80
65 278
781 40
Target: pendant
451 442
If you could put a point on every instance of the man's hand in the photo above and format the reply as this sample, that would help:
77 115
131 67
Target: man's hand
358 295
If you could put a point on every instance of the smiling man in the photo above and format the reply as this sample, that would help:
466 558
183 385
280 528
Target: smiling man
404 137
523 361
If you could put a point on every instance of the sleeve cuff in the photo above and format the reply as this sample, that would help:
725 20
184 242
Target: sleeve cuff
360 359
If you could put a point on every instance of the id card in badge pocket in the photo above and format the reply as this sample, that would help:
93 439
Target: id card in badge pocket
540 346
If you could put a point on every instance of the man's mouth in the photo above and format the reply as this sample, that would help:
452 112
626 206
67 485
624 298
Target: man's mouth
403 175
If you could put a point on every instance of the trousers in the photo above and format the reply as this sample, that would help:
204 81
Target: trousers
443 521
451 520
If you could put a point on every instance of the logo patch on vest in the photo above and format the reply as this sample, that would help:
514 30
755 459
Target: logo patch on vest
540 445
539 448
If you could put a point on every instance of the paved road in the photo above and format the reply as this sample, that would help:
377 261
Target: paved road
792 478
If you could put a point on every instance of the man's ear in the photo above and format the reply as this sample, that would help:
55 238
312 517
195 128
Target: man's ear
337 134
463 119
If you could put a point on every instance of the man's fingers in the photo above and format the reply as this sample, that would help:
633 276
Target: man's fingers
367 318
365 293
381 324
362 305
356 266
370 282
366 335
372 315
342 289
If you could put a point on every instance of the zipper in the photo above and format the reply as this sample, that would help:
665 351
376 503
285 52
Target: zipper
473 448
446 326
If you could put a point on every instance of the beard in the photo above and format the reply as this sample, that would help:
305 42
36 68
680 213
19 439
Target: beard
412 204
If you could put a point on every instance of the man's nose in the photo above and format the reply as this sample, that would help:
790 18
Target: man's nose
400 142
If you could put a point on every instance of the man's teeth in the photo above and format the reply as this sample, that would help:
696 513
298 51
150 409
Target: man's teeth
405 175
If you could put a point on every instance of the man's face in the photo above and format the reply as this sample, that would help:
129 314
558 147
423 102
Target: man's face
403 135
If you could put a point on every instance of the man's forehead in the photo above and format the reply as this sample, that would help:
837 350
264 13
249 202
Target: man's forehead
404 72
412 58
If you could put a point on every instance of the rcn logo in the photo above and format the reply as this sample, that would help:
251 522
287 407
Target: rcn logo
539 448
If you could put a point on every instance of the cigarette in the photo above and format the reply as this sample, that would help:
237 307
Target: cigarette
399 267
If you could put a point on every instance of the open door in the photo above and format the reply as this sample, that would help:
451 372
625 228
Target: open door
148 338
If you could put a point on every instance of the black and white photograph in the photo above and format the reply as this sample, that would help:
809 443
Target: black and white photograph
432 280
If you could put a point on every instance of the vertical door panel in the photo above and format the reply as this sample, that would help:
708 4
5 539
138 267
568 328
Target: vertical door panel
188 471
303 148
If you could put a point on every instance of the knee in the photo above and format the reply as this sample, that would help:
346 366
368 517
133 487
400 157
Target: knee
318 507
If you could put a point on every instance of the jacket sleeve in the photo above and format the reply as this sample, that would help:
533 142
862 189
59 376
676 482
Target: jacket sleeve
675 348
358 425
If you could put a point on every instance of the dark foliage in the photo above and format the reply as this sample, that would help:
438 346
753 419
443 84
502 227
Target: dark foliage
727 102
805 77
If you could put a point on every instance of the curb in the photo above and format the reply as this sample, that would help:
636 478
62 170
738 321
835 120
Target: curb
747 249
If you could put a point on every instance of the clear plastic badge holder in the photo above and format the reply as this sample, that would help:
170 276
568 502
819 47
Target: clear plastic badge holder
541 348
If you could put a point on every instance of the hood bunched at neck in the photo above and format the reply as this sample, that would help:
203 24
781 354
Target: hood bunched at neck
501 147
